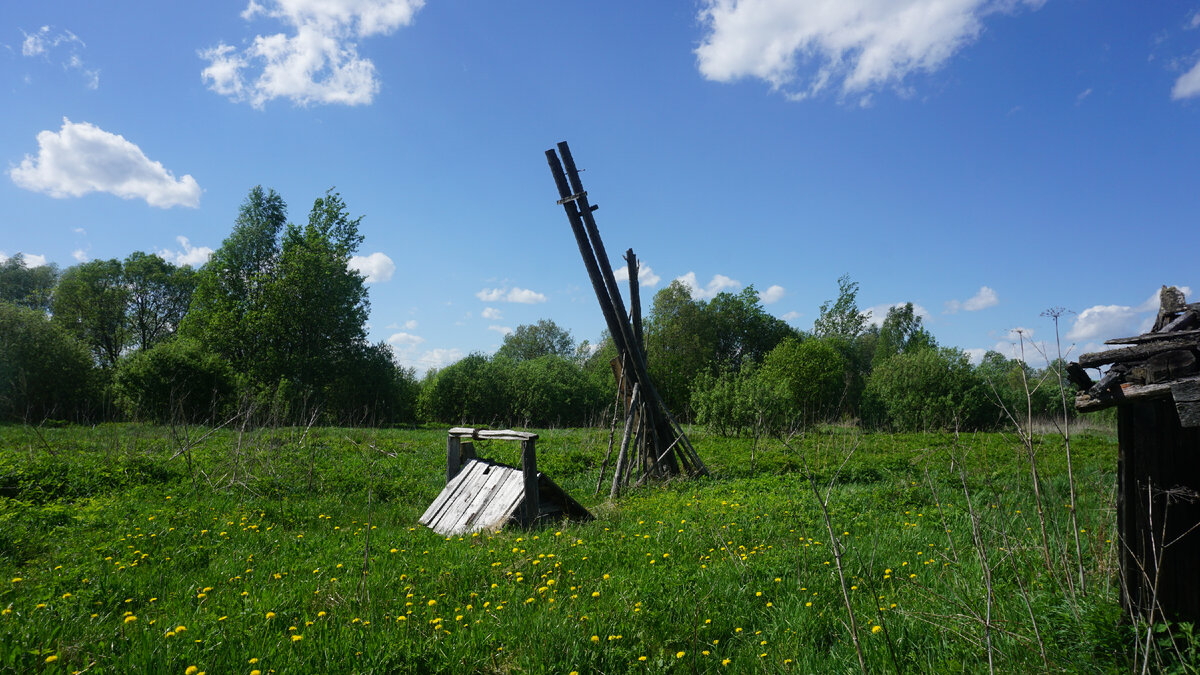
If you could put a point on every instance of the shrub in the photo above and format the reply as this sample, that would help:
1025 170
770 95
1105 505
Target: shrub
811 373
44 371
925 389
175 380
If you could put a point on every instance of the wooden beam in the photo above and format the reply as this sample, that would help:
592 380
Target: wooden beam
1155 337
1128 392
492 434
529 469
1135 353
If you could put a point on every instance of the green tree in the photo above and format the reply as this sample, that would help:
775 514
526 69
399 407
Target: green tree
902 331
44 370
159 294
841 318
229 301
531 341
473 390
27 286
811 373
89 302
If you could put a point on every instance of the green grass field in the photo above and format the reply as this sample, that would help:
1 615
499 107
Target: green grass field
129 548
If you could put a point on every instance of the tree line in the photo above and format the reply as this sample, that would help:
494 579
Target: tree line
273 327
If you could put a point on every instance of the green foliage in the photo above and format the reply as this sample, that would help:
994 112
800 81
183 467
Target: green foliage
926 389
553 391
159 294
811 373
902 332
175 381
89 302
736 402
841 318
687 337
44 371
27 286
531 341
373 389
470 391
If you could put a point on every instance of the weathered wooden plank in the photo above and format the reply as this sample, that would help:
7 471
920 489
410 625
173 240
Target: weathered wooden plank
1165 367
492 434
1078 377
1129 392
453 457
482 490
1192 335
1134 353
504 502
459 501
1181 322
448 493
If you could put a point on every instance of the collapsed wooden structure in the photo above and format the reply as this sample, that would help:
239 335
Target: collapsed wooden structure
1154 382
653 444
481 494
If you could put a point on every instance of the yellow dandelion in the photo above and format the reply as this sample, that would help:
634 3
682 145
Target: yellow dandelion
52 658
724 662
270 615
130 618
641 658
876 629
191 670
595 638
680 655
297 638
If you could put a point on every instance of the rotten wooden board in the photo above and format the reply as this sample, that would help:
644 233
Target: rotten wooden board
1194 335
1129 392
482 496
492 434
1135 353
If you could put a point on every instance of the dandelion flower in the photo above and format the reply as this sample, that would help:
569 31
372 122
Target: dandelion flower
680 655
297 638
270 615
876 629
725 662
595 638
130 618
191 670
52 658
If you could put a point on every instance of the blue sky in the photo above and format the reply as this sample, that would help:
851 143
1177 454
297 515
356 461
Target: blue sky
983 159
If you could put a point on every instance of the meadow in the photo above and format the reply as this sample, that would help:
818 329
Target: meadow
133 548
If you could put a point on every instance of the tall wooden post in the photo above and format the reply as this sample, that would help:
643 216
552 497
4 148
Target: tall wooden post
453 456
530 472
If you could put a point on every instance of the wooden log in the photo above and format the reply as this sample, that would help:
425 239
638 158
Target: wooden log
1135 353
1079 377
1179 335
635 299
1181 322
529 469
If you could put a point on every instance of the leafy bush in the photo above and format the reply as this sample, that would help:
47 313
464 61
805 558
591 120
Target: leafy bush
812 374
44 372
926 389
175 380
745 400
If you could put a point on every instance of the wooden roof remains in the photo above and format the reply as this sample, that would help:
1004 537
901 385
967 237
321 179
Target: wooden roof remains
1162 363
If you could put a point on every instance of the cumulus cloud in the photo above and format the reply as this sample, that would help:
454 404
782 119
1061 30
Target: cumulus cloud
315 61
79 255
30 260
772 294
877 313
375 267
985 298
791 316
1188 84
646 275
83 158
514 294
404 340
43 42
503 330
192 256
802 47
718 284
423 362
491 313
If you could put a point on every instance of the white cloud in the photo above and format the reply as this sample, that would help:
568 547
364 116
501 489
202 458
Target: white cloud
318 62
791 316
410 324
802 47
80 230
975 356
503 330
772 294
404 340
30 260
1104 321
876 314
427 360
192 256
1188 84
375 267
1079 98
986 297
83 158
41 42
646 275
514 294
79 255
718 284
491 313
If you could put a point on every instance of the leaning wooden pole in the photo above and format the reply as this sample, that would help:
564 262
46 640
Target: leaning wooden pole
665 444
